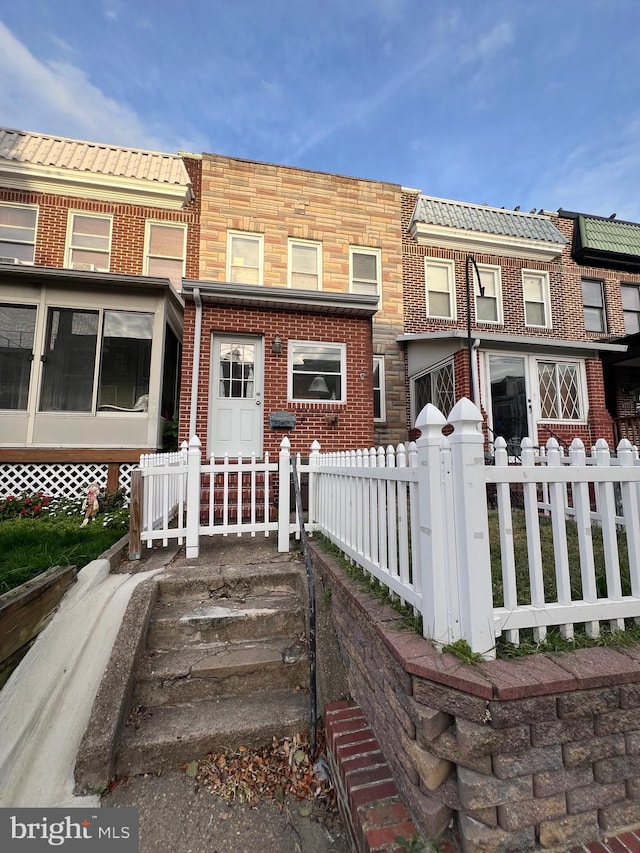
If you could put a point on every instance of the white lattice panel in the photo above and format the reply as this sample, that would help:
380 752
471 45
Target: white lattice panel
57 480
124 480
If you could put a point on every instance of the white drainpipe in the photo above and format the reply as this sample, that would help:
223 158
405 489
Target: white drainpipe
197 334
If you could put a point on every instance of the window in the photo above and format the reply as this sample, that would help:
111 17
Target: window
165 251
18 232
535 289
379 413
237 364
631 308
71 351
244 257
17 328
595 318
364 271
435 387
440 293
489 305
305 271
559 385
89 242
317 371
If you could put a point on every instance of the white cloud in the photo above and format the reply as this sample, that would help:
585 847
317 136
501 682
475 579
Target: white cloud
58 97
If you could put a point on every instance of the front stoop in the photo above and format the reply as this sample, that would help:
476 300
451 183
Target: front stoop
224 666
371 807
209 657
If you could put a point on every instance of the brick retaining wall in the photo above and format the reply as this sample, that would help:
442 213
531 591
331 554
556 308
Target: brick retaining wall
538 752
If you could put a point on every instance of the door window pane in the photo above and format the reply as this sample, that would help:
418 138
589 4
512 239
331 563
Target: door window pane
509 405
237 370
69 361
17 327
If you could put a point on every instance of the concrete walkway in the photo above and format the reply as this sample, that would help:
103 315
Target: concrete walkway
46 703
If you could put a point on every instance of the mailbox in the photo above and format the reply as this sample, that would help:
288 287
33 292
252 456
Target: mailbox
282 420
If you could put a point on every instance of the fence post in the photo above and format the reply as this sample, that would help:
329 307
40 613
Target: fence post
284 503
314 459
135 515
436 624
472 528
192 539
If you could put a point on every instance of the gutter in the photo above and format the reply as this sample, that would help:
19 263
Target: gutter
195 376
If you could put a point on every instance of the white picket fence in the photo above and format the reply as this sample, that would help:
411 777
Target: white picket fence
183 499
417 518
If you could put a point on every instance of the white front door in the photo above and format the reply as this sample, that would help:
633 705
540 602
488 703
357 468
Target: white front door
235 409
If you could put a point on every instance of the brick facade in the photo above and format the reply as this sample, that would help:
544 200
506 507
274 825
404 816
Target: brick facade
281 202
537 753
334 425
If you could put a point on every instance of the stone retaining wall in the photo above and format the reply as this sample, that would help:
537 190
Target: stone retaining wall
538 752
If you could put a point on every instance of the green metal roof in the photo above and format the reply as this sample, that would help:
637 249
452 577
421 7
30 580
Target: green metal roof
606 241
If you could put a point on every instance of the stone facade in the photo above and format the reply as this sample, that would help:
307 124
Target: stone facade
542 752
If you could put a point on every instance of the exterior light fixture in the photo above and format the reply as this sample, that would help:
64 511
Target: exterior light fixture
276 344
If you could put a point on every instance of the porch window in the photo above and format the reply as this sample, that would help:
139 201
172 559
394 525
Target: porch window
244 257
78 342
305 265
126 359
595 316
559 385
165 251
364 271
379 413
489 306
535 288
17 329
89 242
631 308
18 232
440 288
317 371
437 387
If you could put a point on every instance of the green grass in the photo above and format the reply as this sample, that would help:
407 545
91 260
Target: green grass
554 641
29 546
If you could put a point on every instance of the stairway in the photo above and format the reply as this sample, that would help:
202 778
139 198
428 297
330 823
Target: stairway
234 502
224 655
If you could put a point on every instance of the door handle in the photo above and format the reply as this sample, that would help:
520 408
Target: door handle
257 402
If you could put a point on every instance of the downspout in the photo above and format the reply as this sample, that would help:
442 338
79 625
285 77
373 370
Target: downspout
195 376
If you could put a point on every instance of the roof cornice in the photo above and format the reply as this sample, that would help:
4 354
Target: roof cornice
48 179
443 236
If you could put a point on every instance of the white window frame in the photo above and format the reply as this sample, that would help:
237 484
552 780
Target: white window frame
446 363
377 254
245 235
294 241
35 229
147 243
546 298
379 360
291 348
69 247
451 277
495 272
582 388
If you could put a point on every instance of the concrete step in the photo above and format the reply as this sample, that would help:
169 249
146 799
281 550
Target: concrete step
178 623
167 737
232 581
202 672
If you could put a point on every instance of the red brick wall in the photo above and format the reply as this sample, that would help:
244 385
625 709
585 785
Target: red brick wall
127 242
355 417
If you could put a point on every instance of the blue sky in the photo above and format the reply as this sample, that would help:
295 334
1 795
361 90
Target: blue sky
506 102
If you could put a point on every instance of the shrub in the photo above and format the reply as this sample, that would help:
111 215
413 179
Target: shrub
26 505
